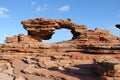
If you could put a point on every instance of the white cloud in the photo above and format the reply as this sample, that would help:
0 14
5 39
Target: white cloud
39 8
42 9
64 8
33 3
3 12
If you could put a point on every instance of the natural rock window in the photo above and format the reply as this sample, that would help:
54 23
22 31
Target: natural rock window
60 35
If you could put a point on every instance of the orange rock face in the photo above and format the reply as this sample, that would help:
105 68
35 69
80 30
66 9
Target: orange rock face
44 28
26 57
86 41
108 69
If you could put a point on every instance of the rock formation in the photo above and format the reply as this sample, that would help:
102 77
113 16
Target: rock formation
117 25
111 72
26 57
44 28
84 40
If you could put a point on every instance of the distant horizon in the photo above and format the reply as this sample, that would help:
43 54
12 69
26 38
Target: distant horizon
102 14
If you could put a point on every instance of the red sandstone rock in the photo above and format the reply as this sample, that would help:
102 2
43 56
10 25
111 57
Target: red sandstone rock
44 28
108 68
21 38
85 41
26 57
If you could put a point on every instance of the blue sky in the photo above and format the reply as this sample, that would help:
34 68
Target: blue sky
103 14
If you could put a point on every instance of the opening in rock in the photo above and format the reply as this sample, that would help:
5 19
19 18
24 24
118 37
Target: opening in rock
60 35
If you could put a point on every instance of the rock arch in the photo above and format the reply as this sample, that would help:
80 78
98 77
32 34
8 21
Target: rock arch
85 41
44 28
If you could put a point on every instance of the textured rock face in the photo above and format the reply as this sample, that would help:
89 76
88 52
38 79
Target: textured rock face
84 40
21 38
44 28
26 57
108 69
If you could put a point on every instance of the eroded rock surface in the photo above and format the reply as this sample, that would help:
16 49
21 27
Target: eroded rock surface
84 40
108 69
44 28
26 57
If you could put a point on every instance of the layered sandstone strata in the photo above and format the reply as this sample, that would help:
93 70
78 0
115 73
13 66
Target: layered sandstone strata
26 57
108 69
44 28
84 40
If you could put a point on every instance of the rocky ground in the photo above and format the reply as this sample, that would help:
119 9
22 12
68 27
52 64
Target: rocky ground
50 66
90 55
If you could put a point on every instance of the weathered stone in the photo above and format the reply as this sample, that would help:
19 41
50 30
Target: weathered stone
4 76
86 41
9 69
21 78
48 74
26 57
108 68
21 38
44 28
109 78
18 65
